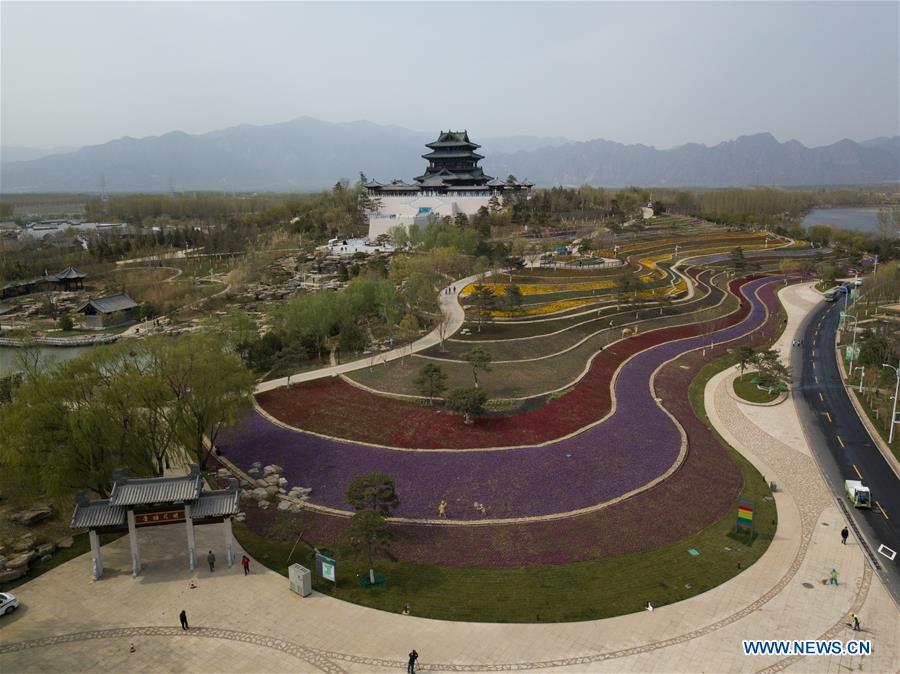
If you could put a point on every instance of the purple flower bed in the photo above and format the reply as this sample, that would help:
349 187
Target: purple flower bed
635 445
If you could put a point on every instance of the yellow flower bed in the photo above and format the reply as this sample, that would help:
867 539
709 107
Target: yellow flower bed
542 288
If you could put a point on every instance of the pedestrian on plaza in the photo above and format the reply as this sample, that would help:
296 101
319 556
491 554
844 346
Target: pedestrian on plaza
832 579
183 618
245 562
211 558
855 621
411 667
845 532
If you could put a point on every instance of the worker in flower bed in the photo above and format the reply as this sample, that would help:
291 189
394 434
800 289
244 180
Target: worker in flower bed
442 509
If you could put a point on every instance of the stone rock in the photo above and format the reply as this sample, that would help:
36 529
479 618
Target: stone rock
259 493
256 464
282 482
45 549
46 558
12 574
240 517
271 490
20 560
31 517
284 505
272 480
223 472
272 469
2 561
264 505
253 470
24 544
66 543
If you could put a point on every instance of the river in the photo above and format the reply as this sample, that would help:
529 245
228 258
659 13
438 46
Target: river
856 219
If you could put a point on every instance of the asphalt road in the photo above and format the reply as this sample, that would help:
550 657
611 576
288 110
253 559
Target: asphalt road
841 444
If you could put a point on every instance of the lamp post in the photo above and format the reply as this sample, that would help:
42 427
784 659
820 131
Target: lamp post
862 373
896 390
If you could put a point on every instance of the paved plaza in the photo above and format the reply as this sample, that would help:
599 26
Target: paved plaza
69 623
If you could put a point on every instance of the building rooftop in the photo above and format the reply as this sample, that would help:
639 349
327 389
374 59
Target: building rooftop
217 503
94 514
110 303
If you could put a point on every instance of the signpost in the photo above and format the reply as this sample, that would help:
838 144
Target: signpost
325 566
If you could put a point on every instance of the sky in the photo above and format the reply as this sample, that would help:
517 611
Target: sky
662 74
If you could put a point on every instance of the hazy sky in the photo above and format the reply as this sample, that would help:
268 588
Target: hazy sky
656 73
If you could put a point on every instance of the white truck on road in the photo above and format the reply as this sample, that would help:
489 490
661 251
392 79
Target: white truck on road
858 493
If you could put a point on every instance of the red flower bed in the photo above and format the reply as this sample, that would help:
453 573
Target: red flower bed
660 516
336 408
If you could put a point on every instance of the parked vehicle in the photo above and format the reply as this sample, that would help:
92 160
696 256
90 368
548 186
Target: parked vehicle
8 603
858 493
830 295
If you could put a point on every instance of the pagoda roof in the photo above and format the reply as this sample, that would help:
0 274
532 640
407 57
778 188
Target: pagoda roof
453 139
373 183
95 514
216 503
70 273
453 154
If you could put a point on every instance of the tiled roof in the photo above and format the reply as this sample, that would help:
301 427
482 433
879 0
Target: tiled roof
216 504
127 492
97 514
110 303
70 273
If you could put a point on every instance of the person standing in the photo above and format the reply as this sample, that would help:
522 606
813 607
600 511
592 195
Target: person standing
855 621
183 618
411 667
211 558
845 532
832 579
245 562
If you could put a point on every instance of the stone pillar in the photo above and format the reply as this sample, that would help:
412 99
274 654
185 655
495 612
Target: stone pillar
96 562
135 552
229 542
192 544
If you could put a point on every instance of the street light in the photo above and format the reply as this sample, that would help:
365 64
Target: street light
853 343
862 373
896 390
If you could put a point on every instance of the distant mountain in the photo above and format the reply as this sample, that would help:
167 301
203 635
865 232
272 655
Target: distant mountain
748 160
309 154
19 153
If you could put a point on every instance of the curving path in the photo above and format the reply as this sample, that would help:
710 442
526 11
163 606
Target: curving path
598 465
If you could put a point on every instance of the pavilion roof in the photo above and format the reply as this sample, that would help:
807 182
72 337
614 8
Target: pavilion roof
453 139
110 303
70 273
144 491
453 154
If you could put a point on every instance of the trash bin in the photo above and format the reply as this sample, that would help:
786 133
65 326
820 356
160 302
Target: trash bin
300 579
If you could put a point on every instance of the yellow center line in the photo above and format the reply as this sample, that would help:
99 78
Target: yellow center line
821 399
855 469
814 353
814 365
882 510
842 444
829 417
817 381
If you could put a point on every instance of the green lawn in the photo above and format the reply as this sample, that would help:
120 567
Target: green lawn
747 390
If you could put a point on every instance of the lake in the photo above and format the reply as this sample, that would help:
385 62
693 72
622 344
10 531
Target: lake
856 219
9 362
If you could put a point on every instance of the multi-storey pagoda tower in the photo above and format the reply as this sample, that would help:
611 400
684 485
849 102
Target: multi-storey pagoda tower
453 162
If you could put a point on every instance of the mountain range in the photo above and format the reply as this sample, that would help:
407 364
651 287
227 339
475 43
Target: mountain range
310 154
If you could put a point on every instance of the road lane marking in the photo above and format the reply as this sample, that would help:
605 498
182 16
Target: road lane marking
829 417
814 365
842 444
814 353
855 469
821 399
817 381
882 510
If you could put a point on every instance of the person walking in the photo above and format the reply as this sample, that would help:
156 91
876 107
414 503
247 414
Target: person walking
245 562
183 618
411 667
832 579
845 532
211 558
855 622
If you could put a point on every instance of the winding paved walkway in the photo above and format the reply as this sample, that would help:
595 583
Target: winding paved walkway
254 624
597 466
